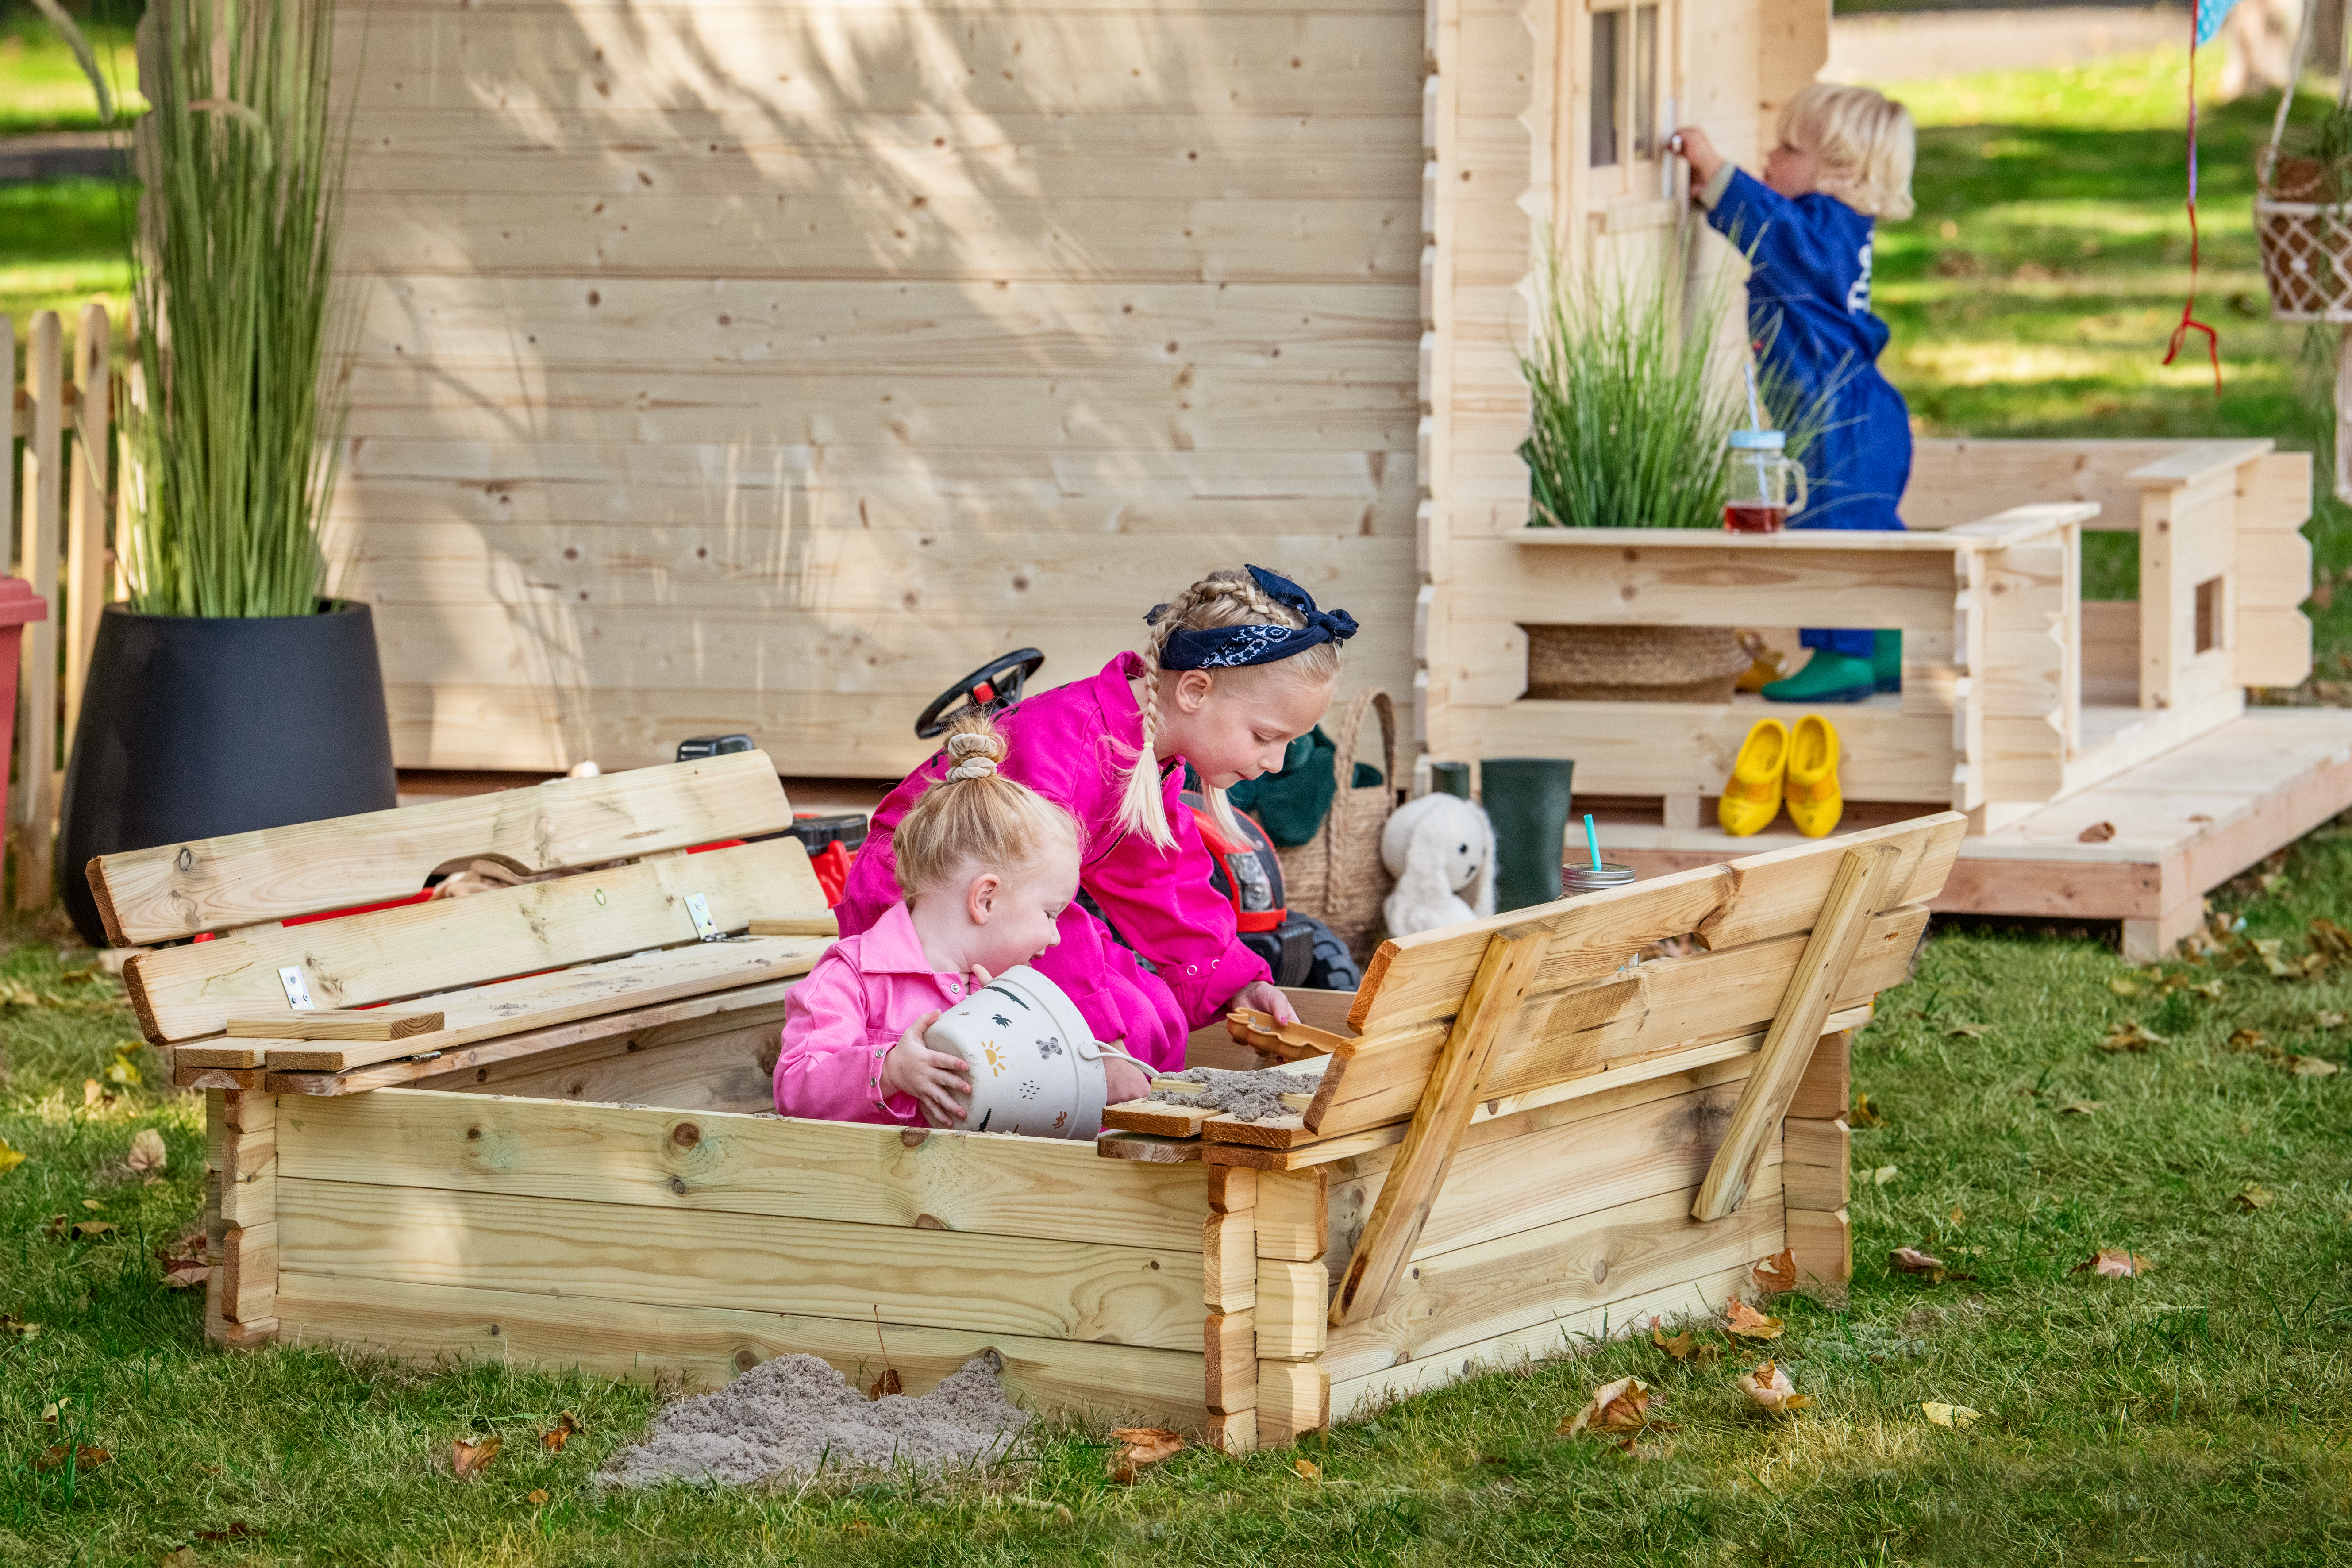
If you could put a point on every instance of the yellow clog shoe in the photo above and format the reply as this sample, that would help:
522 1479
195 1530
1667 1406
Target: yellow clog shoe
1814 802
1751 798
1767 666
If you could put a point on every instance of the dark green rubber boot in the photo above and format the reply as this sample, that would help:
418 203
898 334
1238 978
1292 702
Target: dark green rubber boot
1887 660
1826 677
1526 799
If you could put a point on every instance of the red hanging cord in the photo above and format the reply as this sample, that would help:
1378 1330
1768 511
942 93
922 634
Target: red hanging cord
2189 322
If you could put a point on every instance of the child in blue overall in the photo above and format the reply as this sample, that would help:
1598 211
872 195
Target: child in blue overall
1844 160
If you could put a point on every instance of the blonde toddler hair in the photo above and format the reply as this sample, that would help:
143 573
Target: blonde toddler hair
1865 141
1220 599
975 817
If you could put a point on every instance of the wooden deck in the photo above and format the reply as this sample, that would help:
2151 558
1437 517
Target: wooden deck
2185 821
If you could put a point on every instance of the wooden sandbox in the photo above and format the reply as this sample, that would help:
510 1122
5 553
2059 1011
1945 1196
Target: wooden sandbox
1504 1150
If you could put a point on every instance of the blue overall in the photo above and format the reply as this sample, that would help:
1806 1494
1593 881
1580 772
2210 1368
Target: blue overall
1808 316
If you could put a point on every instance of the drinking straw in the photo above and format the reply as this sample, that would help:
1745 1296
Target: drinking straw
1593 840
1755 405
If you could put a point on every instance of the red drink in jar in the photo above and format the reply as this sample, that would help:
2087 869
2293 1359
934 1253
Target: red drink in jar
1752 519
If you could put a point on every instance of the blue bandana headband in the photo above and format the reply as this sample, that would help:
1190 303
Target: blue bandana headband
1230 647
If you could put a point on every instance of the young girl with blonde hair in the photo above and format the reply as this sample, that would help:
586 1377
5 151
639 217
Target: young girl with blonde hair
1231 671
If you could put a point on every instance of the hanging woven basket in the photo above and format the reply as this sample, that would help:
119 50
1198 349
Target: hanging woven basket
2303 214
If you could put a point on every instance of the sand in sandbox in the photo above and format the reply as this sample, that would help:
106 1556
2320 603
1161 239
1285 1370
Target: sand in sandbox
1243 1096
786 1416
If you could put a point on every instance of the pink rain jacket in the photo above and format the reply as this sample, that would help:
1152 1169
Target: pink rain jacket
1071 745
843 1019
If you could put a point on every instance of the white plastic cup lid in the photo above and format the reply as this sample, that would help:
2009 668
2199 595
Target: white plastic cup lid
1758 440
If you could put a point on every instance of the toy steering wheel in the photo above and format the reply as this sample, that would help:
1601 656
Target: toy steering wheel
996 684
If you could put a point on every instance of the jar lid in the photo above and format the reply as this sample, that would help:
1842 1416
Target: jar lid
1757 440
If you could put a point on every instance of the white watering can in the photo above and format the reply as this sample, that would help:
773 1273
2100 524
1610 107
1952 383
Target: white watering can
1036 1067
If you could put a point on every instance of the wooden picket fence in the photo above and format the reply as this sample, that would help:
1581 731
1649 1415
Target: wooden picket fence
62 549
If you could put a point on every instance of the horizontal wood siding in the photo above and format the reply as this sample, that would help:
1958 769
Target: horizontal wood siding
765 367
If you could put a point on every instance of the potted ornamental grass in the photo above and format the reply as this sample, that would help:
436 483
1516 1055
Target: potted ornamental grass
228 693
1632 394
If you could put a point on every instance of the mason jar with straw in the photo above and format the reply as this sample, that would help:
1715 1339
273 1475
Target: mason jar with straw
1592 875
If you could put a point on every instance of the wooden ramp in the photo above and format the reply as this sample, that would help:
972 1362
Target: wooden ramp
2185 822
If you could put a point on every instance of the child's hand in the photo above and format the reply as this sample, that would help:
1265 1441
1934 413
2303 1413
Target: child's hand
1123 1080
1699 151
931 1079
1264 997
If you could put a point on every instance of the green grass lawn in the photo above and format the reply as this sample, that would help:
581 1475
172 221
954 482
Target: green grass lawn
2200 1414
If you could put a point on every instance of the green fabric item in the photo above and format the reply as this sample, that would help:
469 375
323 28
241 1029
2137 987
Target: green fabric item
1291 805
1886 659
1826 677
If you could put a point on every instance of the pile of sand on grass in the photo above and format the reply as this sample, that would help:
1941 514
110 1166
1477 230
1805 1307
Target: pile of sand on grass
786 1419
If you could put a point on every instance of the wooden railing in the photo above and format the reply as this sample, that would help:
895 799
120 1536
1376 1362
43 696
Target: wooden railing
65 426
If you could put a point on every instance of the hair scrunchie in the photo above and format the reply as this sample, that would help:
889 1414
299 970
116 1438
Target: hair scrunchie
1230 647
974 756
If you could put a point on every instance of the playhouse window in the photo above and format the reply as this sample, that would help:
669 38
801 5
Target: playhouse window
1626 56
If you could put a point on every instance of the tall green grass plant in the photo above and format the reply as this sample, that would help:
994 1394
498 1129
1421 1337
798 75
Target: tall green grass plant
1631 399
242 368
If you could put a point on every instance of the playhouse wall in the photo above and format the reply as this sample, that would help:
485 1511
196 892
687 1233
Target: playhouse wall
766 367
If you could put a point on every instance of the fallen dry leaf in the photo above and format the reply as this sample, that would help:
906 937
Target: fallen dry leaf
94 1093
16 1328
2123 986
1684 1346
53 1409
2082 1107
2248 1040
555 1436
536 1497
1884 1174
1959 1418
93 1227
2251 1197
2129 1035
84 1457
1750 1324
2310 1067
1911 1261
1309 1469
2114 1263
122 1072
182 1557
1959 1214
1769 1386
9 1158
2327 1018
1864 1113
1777 1275
2330 939
2097 833
1620 1406
471 1458
889 1382
1141 1447
147 1152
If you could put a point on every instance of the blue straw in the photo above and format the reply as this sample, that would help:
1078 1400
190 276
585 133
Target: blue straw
1593 840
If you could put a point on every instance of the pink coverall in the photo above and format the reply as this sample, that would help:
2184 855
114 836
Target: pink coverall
1072 746
841 1021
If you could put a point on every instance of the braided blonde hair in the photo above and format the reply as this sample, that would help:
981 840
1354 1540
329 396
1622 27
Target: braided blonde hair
975 815
1220 599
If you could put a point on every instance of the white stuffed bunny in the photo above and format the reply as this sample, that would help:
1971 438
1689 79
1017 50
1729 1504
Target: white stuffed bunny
1437 847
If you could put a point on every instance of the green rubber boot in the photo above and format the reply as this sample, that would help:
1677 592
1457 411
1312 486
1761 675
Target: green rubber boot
1526 799
1887 660
1826 677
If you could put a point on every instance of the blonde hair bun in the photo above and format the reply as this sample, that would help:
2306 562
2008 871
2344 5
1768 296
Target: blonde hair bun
975 817
975 751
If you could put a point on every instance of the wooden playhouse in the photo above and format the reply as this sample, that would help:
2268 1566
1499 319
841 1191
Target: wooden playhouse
551 1147
765 367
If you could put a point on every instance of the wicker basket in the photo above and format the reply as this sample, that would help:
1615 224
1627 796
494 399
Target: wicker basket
1634 664
1337 876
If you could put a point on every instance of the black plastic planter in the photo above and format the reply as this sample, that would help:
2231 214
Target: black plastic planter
193 728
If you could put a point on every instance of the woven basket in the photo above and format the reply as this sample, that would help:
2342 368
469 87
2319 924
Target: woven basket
1634 664
1337 876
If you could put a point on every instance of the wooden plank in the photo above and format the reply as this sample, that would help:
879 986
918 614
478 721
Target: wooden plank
1229 1362
1663 1006
245 1157
686 1257
1552 1272
713 1065
1816 1158
180 889
1293 1304
249 1273
1490 1010
536 1001
1150 1149
36 557
713 1162
1827 1087
379 1024
1779 891
1294 1215
209 1054
182 993
705 1346
1819 980
1233 1436
1294 1398
1822 1243
1703 1296
86 550
827 924
1229 1262
1233 1191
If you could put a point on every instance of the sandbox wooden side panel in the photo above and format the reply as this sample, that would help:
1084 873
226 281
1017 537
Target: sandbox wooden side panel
635 1240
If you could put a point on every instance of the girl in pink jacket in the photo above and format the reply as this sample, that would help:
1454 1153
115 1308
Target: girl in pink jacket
988 866
1232 670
